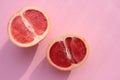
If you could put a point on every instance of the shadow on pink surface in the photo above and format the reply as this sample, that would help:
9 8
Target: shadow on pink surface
45 71
14 60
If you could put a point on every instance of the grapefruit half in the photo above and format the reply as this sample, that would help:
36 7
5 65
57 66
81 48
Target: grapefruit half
67 52
28 26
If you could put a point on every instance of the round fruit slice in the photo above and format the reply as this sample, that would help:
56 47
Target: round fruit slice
67 52
28 26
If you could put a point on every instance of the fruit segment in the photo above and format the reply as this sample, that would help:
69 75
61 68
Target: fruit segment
58 54
37 20
70 51
20 32
76 48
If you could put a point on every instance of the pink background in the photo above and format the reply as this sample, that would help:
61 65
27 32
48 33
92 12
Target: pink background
97 20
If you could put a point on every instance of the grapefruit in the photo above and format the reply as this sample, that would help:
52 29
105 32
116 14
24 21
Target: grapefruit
28 26
67 52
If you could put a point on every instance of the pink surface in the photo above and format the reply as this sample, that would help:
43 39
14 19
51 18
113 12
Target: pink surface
97 20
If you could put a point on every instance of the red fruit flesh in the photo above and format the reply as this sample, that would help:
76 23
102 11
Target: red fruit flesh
76 48
58 54
37 20
19 32
68 52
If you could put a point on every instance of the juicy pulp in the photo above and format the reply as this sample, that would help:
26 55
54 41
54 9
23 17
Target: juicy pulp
68 52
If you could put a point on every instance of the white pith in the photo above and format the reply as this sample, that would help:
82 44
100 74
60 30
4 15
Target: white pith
30 28
28 25
67 51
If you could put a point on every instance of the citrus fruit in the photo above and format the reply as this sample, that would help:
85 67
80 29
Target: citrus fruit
67 52
28 26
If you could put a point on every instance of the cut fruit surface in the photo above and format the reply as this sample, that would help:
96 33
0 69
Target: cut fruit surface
28 26
67 52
